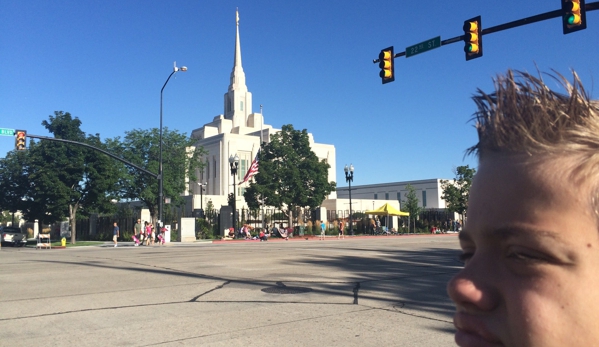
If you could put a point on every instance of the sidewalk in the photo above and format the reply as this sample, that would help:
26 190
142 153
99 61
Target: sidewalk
334 237
312 238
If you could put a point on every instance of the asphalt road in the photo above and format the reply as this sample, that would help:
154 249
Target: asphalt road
377 291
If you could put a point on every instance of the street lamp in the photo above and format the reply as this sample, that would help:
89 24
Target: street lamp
349 178
262 201
160 178
202 185
234 162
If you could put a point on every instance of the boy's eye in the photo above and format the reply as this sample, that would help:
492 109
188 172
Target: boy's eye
528 257
465 256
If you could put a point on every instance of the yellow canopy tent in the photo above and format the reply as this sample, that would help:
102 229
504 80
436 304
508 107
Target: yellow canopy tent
388 210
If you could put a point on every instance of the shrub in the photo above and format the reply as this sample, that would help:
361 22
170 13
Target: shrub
203 229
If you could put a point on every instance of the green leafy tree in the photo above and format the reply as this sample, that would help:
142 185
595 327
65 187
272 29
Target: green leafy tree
290 174
410 204
457 191
13 181
5 217
141 147
209 208
65 177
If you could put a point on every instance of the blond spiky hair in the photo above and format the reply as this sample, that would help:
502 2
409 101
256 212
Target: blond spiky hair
523 116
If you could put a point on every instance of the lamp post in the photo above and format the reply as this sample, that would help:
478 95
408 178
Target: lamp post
261 201
202 187
160 178
234 162
349 178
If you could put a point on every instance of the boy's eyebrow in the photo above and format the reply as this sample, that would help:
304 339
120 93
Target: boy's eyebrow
519 231
505 233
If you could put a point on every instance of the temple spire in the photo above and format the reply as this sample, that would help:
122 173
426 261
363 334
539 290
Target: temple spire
238 100
237 75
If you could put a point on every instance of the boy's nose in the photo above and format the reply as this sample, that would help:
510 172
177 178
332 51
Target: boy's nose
472 291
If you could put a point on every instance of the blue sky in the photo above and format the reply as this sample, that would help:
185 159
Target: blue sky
308 62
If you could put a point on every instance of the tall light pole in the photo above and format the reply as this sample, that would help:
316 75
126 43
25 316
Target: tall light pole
234 163
160 178
349 178
202 185
261 201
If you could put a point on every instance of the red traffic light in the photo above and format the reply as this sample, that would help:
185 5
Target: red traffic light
20 140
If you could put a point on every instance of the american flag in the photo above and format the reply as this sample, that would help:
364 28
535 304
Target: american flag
252 170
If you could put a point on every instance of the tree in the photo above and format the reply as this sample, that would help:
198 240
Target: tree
290 174
6 217
457 191
141 147
13 181
65 177
209 208
410 204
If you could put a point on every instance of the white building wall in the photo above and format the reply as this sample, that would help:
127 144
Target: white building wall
376 192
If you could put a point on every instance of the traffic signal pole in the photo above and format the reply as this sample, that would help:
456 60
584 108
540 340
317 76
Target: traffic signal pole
97 149
514 24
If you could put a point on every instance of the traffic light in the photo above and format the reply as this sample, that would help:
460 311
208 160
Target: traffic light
20 140
387 65
473 38
575 17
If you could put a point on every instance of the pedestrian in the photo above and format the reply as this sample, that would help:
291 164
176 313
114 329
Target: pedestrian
115 234
137 232
531 249
263 236
341 235
245 230
161 237
322 230
142 236
283 232
148 232
152 234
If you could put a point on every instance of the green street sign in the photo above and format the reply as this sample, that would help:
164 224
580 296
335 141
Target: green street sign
7 132
423 46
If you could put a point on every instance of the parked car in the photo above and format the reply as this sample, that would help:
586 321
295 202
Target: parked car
12 236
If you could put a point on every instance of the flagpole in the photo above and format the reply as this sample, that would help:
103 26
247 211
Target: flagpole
261 142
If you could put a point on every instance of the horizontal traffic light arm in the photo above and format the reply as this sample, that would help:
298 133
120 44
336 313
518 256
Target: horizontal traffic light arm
97 149
524 21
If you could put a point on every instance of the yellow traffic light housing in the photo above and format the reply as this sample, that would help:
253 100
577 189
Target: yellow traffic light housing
20 140
387 65
574 15
473 38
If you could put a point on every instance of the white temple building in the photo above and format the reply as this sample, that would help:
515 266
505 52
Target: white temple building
239 130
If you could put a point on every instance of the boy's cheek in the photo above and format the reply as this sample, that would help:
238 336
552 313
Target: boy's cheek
552 308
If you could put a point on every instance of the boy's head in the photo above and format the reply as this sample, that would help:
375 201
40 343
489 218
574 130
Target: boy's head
531 242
